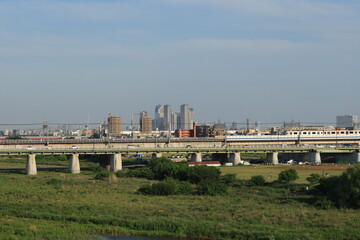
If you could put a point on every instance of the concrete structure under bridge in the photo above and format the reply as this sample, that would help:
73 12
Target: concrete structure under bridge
223 154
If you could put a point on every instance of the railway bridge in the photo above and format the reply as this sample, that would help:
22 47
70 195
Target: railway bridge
224 153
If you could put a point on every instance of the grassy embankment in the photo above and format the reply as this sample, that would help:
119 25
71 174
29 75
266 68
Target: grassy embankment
53 205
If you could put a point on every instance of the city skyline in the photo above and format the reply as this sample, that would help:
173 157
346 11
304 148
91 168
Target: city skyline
62 61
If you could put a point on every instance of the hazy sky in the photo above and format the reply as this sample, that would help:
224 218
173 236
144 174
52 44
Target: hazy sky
268 60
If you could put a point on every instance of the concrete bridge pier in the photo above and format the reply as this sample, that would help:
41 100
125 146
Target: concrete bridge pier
273 158
31 165
196 157
74 164
115 162
355 156
315 157
235 158
157 155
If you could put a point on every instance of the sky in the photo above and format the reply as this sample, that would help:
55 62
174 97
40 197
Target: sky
268 60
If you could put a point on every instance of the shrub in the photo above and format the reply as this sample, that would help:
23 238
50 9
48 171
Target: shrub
167 187
343 190
324 203
98 169
313 179
102 175
121 174
211 188
202 173
162 168
288 176
141 173
229 178
184 188
257 180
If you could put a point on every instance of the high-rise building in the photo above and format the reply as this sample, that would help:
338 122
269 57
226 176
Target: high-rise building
146 124
159 117
186 116
347 121
135 121
114 125
175 121
167 117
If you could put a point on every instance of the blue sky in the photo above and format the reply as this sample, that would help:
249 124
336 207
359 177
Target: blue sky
268 60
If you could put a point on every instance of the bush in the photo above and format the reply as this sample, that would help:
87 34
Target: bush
324 203
167 187
313 179
184 188
343 190
211 188
98 169
257 180
202 173
229 178
288 176
140 173
102 175
162 168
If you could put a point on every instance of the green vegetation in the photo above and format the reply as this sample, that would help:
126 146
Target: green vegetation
53 205
344 190
288 176
313 179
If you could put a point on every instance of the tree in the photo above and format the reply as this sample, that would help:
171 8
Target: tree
343 190
288 176
201 173
257 180
313 179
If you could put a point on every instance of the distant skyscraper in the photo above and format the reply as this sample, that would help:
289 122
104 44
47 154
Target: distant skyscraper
146 124
257 125
114 125
135 121
347 121
175 121
186 116
249 125
167 117
159 117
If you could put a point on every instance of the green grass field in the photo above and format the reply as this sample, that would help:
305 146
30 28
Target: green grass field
271 172
53 205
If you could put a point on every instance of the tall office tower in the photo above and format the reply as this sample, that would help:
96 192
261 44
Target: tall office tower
257 125
159 117
347 121
234 126
45 131
186 116
135 121
249 125
175 121
143 114
114 125
146 124
167 117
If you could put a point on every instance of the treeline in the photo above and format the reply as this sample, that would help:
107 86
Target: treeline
178 178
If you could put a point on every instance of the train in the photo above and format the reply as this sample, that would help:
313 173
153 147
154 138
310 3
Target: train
298 136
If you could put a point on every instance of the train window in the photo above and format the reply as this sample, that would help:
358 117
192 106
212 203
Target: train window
351 132
333 133
304 132
313 132
295 133
341 132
